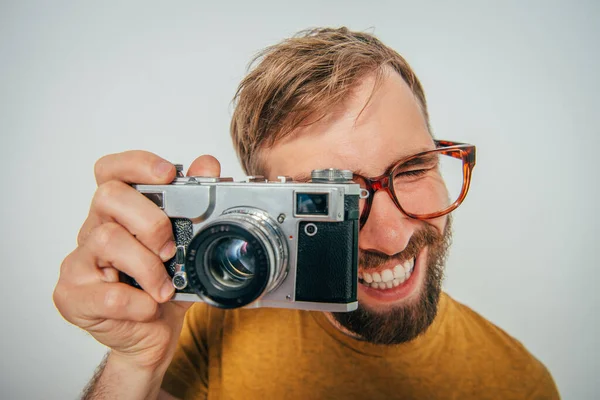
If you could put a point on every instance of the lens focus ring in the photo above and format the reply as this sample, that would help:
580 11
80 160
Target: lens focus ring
237 258
263 226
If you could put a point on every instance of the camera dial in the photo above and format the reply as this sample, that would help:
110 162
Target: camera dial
180 280
331 175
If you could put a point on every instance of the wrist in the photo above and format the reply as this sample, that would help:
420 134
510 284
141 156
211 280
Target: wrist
142 381
127 362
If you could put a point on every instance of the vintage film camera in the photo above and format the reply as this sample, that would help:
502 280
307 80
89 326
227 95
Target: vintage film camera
261 243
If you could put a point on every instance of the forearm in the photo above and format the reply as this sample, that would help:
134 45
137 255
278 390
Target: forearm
115 378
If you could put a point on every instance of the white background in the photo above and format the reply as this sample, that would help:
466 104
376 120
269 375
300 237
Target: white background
519 79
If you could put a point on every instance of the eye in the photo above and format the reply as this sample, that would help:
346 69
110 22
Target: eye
413 173
417 168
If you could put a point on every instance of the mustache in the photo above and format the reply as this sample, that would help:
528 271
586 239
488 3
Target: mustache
425 236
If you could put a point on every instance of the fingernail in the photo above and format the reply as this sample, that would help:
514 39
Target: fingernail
167 289
163 169
168 251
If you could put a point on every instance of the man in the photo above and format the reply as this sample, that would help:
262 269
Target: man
328 98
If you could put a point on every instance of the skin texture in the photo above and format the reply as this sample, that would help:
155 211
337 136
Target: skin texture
367 140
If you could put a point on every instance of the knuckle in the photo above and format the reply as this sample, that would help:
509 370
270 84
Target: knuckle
105 234
156 272
66 265
159 227
115 300
61 301
57 297
139 160
81 236
144 156
100 167
140 156
106 192
150 311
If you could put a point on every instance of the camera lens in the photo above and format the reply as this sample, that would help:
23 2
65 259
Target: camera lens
231 261
237 258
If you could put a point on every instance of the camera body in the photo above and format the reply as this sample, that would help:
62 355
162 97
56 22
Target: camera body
260 243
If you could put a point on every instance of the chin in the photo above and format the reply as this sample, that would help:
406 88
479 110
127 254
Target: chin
398 314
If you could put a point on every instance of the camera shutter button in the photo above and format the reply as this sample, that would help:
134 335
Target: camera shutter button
179 169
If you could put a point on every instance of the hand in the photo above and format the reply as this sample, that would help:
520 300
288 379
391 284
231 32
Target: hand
126 232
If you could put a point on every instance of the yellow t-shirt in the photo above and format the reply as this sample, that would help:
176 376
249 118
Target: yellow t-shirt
287 354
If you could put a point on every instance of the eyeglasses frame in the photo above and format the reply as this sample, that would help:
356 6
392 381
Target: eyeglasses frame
465 152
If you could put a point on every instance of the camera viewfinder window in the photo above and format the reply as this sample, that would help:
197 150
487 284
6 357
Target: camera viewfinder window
312 203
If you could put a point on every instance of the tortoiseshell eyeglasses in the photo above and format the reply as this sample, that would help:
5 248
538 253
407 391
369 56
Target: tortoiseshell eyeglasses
426 185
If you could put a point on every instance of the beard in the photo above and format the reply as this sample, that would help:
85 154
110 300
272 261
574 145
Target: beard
403 323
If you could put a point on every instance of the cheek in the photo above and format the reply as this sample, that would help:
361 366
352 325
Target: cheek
439 224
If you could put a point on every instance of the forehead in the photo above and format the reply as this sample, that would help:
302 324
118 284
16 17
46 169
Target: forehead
365 134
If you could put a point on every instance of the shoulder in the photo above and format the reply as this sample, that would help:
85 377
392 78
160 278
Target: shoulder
493 351
470 328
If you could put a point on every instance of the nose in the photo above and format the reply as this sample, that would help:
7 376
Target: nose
387 230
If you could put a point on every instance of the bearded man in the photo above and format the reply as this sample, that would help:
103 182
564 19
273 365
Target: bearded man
326 98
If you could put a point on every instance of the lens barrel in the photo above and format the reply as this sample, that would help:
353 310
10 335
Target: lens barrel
237 258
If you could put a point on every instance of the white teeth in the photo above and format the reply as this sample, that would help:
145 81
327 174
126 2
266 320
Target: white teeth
398 271
387 275
408 265
388 278
389 284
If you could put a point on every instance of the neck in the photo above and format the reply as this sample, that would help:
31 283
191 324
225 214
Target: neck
341 328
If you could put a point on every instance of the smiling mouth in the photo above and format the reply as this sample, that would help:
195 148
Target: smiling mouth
388 278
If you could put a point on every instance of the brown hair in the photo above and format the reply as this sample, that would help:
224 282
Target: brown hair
305 75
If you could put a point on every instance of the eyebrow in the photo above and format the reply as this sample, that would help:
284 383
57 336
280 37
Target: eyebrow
305 177
421 160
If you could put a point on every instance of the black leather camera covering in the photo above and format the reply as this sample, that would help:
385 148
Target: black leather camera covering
328 262
183 231
351 207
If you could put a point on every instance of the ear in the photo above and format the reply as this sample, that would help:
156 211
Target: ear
205 165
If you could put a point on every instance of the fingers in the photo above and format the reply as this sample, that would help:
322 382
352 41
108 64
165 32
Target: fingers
124 230
205 165
84 305
110 245
118 202
134 167
93 220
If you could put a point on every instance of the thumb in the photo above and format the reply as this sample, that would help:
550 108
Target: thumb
205 165
177 308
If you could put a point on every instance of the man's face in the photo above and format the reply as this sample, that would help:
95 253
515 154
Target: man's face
367 140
